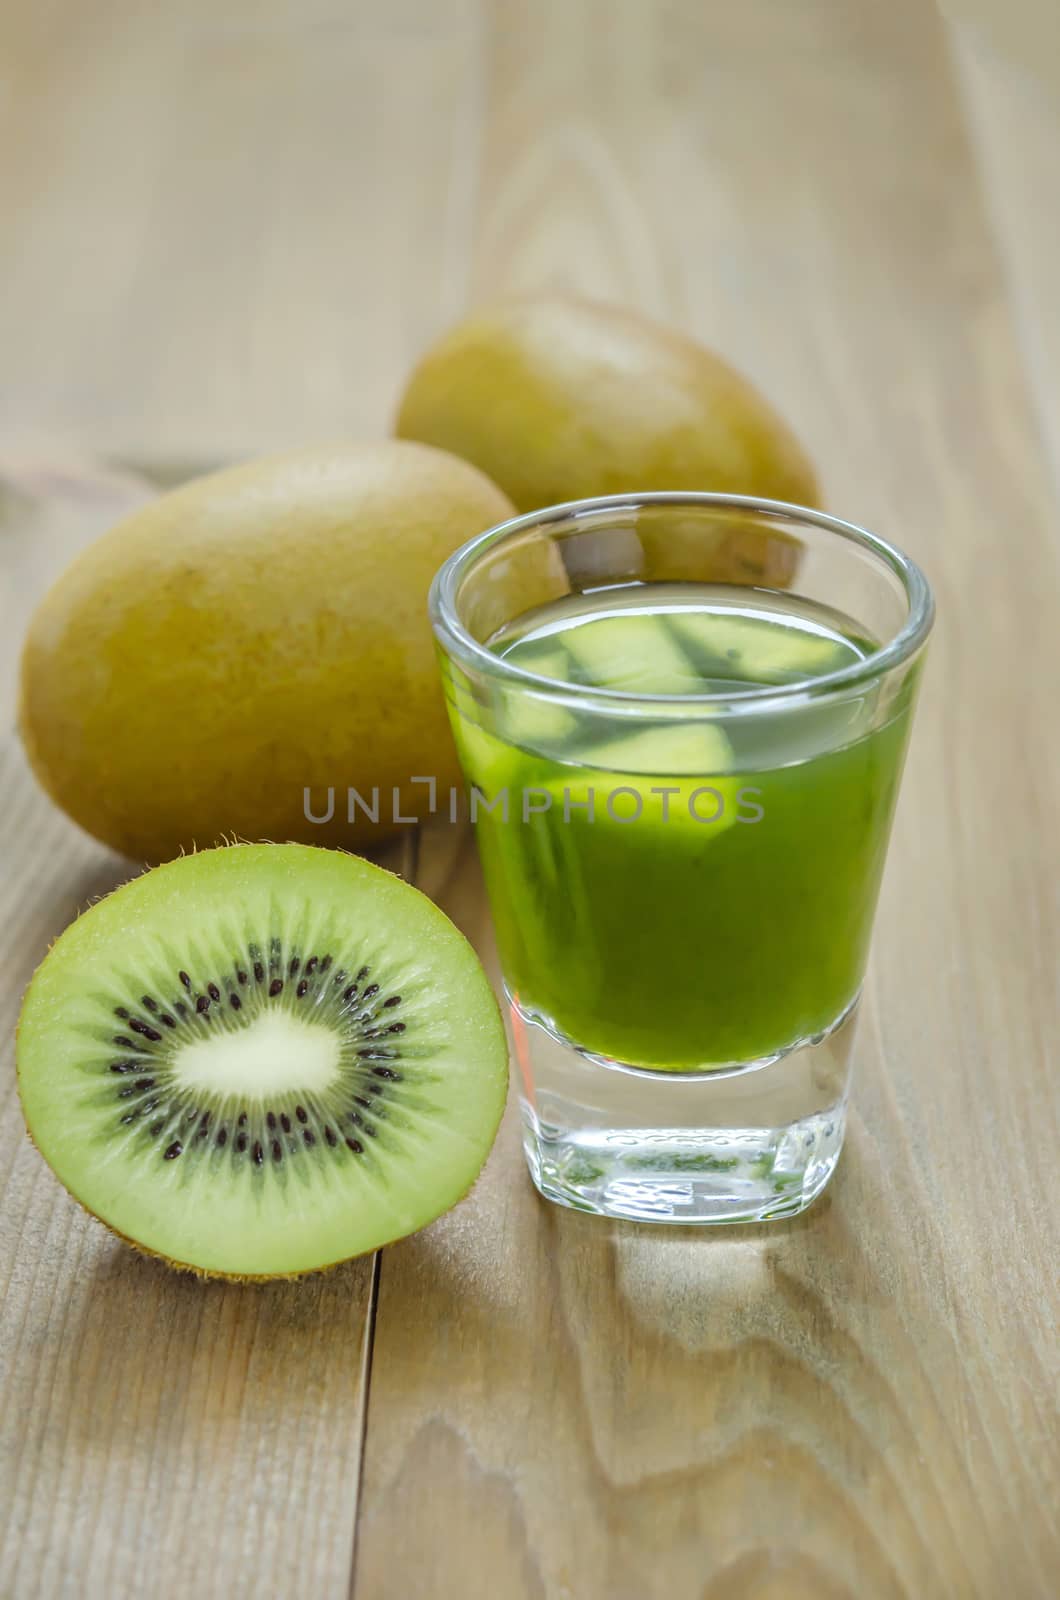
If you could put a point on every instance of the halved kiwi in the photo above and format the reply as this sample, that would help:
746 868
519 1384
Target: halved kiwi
262 1060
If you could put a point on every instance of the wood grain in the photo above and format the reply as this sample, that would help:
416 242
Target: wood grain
861 1402
52 504
157 1433
1010 74
234 229
235 224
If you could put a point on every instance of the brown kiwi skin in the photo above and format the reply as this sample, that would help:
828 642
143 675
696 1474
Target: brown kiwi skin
207 1274
141 626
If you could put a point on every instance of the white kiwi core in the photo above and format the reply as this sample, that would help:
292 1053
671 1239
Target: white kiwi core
274 1054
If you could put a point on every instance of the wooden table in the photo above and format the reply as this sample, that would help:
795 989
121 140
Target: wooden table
230 227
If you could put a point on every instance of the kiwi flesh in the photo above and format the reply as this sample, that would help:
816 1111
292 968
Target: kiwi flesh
661 770
636 653
262 1060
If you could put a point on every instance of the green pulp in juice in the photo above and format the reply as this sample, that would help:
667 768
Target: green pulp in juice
716 905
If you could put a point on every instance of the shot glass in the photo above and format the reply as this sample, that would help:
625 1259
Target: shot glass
682 719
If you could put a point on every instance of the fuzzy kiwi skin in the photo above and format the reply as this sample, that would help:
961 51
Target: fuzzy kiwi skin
557 398
212 1274
259 632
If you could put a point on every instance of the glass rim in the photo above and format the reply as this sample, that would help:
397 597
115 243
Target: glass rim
469 652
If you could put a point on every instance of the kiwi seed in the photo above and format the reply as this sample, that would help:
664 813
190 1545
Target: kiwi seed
158 1056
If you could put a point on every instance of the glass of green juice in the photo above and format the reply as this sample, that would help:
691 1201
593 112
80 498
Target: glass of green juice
682 719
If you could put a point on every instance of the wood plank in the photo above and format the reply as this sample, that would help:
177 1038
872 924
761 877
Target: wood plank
1010 75
235 225
214 256
862 1401
52 503
155 1431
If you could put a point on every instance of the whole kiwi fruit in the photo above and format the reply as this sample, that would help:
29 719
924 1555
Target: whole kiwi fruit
558 398
255 634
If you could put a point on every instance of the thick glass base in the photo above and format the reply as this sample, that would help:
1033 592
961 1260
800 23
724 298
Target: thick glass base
737 1144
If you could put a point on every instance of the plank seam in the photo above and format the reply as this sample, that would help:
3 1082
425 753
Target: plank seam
366 1400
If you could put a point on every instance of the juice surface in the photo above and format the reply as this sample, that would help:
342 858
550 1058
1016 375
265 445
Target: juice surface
694 888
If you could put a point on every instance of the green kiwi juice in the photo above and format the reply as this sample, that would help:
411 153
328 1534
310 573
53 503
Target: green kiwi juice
677 885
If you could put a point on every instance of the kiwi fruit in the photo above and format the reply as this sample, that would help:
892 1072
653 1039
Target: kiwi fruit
261 1060
557 398
254 637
